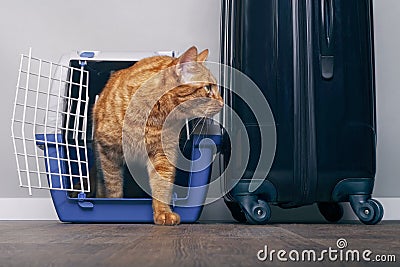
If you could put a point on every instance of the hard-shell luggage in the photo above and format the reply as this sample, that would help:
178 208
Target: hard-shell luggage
313 61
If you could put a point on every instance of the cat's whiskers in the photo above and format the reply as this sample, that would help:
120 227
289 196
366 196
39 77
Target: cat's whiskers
200 120
204 119
204 123
192 131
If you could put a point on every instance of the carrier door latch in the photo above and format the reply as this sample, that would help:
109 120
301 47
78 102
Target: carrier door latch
84 204
86 54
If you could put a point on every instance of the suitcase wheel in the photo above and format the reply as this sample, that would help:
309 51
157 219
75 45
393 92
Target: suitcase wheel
369 211
331 211
256 211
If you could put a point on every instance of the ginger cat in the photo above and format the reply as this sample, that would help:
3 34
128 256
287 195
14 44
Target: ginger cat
134 106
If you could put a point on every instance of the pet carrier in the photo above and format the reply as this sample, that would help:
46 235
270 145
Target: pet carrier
52 137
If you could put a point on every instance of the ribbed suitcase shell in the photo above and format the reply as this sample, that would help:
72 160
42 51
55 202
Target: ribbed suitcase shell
314 63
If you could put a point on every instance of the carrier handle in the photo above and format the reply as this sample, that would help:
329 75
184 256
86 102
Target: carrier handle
327 39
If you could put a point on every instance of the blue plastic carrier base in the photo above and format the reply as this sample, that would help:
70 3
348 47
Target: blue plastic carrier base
127 210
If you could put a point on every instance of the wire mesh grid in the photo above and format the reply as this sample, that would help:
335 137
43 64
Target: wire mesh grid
49 126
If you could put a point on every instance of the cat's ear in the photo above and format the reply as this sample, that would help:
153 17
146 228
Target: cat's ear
202 56
183 68
190 55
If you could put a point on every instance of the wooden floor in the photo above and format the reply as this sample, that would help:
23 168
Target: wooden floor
51 243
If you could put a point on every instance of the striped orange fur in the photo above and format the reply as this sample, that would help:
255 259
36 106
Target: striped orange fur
133 108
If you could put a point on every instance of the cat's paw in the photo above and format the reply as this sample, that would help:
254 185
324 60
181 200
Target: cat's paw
167 218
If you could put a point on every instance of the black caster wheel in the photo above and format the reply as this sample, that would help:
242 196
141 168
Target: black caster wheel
369 211
259 213
332 212
236 211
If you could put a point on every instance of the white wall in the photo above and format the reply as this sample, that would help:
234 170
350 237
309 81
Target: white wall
55 27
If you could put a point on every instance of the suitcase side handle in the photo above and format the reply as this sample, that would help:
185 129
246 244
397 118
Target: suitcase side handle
327 40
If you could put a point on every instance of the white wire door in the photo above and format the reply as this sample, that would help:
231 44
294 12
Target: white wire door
49 126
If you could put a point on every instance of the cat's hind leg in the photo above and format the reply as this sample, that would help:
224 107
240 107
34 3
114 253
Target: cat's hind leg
112 177
162 175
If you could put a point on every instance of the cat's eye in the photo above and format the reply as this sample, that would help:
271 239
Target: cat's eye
208 88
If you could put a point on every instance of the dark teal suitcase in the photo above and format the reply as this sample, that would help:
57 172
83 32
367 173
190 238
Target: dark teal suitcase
313 60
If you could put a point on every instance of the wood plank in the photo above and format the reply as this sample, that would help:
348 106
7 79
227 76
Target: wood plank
41 243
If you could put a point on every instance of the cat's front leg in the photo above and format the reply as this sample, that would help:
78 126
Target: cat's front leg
163 215
162 175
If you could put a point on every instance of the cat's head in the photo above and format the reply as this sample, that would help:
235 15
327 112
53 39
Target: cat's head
197 92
